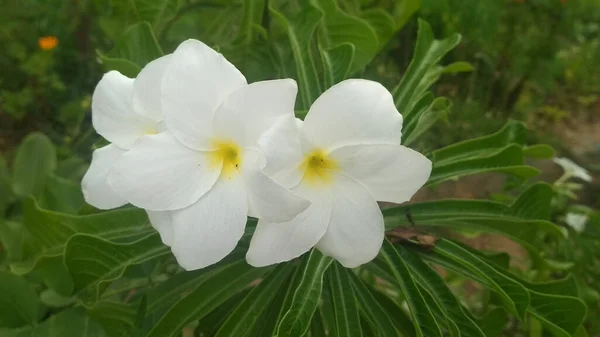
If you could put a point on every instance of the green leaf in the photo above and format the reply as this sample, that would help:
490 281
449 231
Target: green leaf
35 159
549 308
49 231
345 308
300 31
62 195
337 62
82 249
217 289
428 53
116 318
448 303
404 10
511 132
156 12
253 14
508 160
54 299
268 324
7 195
133 51
72 322
401 321
424 321
11 239
512 294
372 310
493 322
244 317
539 151
423 120
340 28
382 23
296 320
19 303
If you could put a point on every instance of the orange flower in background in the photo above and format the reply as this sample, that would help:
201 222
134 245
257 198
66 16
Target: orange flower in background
47 42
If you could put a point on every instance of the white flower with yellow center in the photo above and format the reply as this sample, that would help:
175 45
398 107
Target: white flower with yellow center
204 172
344 158
123 111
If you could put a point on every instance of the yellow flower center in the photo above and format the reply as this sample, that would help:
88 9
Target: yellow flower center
318 168
228 153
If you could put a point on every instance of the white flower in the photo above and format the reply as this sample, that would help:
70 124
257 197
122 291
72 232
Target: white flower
123 110
572 169
576 221
205 170
344 157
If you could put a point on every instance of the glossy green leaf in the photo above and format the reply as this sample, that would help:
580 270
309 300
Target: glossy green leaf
82 249
300 31
133 51
244 317
340 28
155 12
508 160
19 303
53 299
35 159
296 320
72 322
428 53
49 231
448 303
424 321
211 323
217 289
511 132
372 310
336 63
344 302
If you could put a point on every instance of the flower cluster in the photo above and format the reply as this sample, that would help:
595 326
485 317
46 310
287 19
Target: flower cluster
200 150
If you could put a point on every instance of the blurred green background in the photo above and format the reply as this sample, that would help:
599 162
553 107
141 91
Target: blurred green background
533 60
530 60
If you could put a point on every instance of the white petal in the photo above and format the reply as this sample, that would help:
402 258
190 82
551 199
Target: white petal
159 174
392 173
162 222
275 242
147 89
95 189
113 116
209 230
353 112
196 81
270 201
356 228
282 147
252 109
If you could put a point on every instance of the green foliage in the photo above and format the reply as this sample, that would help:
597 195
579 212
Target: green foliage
67 269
